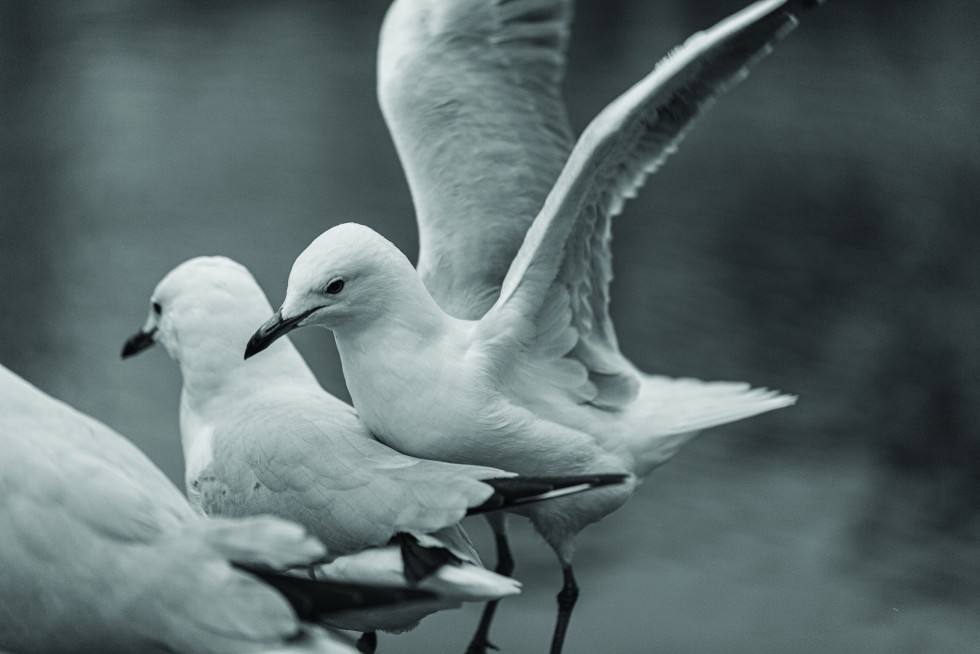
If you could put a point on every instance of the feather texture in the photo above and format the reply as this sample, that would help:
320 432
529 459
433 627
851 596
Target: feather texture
566 254
484 73
100 552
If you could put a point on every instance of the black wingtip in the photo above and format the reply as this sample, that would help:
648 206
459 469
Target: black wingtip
420 561
315 600
510 492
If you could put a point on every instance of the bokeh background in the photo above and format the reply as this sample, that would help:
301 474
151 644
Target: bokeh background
817 233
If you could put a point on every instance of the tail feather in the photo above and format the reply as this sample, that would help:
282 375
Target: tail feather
670 412
510 492
467 581
420 560
676 406
451 583
315 601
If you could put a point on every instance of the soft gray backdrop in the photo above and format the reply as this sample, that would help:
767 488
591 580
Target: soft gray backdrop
816 233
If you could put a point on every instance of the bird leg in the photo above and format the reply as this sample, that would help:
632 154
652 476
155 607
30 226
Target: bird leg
566 602
368 642
505 566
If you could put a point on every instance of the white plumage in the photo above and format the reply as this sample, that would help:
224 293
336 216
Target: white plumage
538 384
263 436
99 552
469 90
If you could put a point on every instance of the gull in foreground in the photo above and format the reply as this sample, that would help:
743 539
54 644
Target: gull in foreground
99 552
538 384
262 436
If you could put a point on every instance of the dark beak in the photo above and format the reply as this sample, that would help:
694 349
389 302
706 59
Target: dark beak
138 342
272 329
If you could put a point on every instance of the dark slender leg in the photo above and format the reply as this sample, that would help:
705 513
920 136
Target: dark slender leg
368 642
566 602
505 566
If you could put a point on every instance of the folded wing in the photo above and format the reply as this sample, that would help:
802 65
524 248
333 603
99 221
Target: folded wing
289 459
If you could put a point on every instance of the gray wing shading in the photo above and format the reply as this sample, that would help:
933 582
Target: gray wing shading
470 92
100 552
323 470
556 295
53 451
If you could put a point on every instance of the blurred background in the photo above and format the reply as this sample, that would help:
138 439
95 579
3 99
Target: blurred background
816 233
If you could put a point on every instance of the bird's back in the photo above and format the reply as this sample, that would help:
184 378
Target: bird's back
308 457
100 552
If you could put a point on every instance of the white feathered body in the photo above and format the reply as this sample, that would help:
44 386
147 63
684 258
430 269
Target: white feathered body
100 552
537 383
438 393
262 436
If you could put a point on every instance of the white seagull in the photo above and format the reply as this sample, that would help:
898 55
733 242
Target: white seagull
99 552
470 91
538 384
263 436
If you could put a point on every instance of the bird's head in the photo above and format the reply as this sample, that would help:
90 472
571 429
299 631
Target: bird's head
347 277
202 309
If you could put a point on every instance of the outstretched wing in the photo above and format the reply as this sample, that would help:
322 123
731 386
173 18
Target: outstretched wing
470 93
554 301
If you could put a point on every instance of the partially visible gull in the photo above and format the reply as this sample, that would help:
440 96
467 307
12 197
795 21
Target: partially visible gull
538 384
470 91
263 436
99 552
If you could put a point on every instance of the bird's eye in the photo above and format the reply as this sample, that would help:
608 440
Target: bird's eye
334 287
157 309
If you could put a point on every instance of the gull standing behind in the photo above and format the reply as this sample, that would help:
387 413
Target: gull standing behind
264 437
538 385
99 552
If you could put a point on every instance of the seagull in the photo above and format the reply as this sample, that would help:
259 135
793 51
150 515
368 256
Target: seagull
99 551
263 436
470 91
537 385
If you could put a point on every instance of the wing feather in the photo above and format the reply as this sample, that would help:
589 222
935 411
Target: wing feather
470 92
566 254
286 457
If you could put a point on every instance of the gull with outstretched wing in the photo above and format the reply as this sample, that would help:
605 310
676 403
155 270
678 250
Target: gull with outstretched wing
470 91
538 385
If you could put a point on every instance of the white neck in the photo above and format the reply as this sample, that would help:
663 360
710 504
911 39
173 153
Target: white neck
219 382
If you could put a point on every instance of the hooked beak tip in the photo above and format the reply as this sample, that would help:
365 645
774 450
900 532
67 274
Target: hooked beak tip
138 342
255 345
270 331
